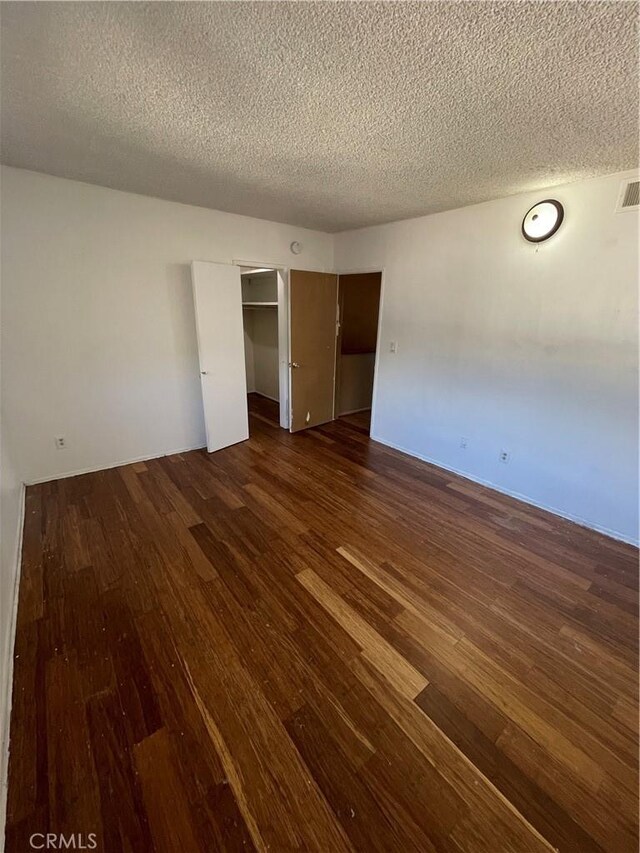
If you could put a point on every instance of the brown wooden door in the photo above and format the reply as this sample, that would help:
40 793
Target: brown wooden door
313 299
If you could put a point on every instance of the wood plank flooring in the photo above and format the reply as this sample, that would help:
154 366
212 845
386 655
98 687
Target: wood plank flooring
359 419
312 642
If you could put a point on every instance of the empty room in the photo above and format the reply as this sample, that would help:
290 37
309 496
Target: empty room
319 426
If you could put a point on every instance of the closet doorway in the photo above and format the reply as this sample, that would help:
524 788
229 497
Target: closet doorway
303 342
264 320
357 342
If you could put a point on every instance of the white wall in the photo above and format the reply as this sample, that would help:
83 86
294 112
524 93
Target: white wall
516 347
261 352
265 352
100 346
356 381
247 320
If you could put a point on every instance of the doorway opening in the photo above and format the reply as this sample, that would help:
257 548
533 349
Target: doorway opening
356 346
299 345
264 320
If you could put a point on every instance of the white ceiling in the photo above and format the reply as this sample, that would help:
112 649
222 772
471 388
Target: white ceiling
329 115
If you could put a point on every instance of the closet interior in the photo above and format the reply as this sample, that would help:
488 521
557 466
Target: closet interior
260 320
359 306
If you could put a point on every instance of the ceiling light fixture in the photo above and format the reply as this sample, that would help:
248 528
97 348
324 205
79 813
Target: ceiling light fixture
542 220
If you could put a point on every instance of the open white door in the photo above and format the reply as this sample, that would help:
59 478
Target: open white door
217 296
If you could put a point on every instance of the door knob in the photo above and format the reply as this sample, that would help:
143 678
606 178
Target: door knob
294 364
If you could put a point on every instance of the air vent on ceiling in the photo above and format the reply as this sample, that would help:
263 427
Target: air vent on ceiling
629 198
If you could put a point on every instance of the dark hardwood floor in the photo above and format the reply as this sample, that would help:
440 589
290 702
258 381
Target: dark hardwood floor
359 419
312 642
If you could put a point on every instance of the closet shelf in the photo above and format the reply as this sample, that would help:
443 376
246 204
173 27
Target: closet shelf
259 304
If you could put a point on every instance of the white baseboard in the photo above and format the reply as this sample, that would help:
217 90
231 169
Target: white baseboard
34 481
613 534
7 691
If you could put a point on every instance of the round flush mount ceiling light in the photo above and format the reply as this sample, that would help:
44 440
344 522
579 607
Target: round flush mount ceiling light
542 220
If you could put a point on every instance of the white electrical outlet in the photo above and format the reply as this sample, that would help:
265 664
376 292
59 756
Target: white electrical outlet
61 442
393 346
505 456
464 443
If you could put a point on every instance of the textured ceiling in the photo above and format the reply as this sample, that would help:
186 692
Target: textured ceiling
329 115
